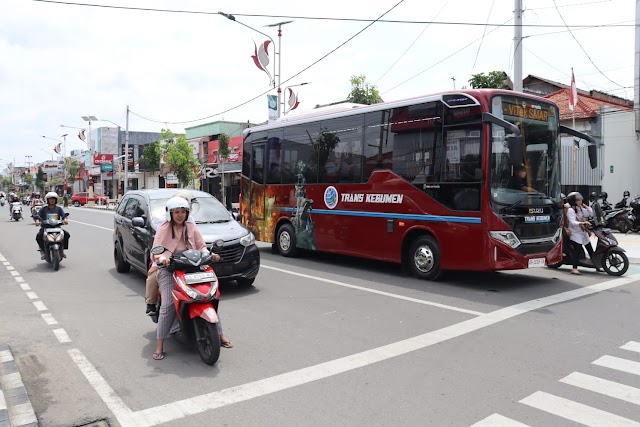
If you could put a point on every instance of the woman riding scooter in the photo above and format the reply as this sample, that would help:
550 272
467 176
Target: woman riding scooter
578 225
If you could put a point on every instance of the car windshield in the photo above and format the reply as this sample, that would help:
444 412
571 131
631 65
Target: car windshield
536 170
203 209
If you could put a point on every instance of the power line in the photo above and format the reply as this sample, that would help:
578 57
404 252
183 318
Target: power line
482 39
388 21
570 5
585 52
290 78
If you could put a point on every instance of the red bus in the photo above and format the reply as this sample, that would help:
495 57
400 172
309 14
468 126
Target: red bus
465 180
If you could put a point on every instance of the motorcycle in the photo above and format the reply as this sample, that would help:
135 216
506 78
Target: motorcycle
607 254
619 219
634 216
35 209
16 211
195 297
53 239
2 200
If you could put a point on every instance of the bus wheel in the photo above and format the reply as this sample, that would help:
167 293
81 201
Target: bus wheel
286 241
424 258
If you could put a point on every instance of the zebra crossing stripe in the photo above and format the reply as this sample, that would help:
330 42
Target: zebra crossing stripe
632 346
619 364
575 411
497 420
602 386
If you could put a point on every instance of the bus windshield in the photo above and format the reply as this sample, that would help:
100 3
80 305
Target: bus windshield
535 168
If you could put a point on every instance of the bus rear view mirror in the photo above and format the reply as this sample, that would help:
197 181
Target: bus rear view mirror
593 155
592 148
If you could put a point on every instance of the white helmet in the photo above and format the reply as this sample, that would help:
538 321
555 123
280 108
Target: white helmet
51 195
175 203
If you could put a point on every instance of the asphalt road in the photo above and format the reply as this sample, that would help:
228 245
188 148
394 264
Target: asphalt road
322 340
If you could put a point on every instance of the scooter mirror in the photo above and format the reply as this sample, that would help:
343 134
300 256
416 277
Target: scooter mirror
158 250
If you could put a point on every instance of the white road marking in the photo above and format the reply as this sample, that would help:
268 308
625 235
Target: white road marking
13 380
374 291
92 225
6 263
619 364
497 420
62 335
25 286
632 346
32 295
5 356
12 268
3 403
23 414
575 411
14 273
40 305
123 414
3 259
241 393
602 386
48 317
107 211
19 279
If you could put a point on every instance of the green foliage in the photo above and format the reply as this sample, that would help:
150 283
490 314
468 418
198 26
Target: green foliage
493 80
152 155
180 156
362 92
7 183
223 149
40 179
28 178
72 166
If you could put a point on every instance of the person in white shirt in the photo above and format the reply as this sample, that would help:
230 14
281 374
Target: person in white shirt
577 219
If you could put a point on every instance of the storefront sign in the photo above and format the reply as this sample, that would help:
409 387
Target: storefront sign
106 167
103 159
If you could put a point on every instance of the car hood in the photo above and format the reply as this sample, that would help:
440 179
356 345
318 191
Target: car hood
227 231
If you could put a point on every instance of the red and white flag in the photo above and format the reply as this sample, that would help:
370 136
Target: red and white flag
261 58
58 148
293 100
573 93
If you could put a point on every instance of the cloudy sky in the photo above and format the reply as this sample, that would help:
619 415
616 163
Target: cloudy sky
59 62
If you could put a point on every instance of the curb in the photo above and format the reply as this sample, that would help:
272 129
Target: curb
15 405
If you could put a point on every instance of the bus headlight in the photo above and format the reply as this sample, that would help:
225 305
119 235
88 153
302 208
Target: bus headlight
248 240
507 237
557 236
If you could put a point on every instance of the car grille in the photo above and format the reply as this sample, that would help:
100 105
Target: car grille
229 254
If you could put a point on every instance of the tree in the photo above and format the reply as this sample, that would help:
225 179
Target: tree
40 179
495 80
223 155
28 179
7 183
152 155
72 166
180 156
362 92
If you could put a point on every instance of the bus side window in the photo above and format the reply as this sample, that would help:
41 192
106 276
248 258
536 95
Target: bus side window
298 152
258 144
274 157
378 149
339 149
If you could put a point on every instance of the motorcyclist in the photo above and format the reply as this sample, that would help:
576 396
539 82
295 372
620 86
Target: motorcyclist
13 197
577 218
51 211
623 203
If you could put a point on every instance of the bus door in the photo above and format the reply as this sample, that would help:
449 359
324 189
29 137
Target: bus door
257 188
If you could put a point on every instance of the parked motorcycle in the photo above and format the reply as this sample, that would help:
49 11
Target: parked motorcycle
53 240
607 254
195 297
634 216
16 211
623 203
619 219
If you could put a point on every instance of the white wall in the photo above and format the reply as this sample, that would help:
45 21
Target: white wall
622 151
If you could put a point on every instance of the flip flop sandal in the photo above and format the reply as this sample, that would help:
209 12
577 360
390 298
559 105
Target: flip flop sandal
226 344
158 355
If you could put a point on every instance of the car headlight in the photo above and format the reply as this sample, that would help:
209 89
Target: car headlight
557 236
507 237
248 240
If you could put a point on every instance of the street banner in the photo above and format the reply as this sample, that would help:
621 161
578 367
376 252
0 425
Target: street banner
273 107
573 92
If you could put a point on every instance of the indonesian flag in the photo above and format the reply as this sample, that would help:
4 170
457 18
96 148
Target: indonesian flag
58 148
573 93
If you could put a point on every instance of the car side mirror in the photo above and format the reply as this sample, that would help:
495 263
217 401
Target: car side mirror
138 222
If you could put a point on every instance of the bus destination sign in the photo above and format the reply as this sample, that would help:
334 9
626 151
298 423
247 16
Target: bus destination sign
526 111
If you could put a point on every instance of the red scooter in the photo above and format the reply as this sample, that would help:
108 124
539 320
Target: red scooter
196 299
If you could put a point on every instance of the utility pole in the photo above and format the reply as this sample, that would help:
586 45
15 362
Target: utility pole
126 155
636 79
517 47
279 53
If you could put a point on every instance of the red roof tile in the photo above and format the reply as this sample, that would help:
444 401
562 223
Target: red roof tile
587 106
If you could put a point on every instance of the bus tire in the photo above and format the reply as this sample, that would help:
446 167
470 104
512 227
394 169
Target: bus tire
423 258
286 241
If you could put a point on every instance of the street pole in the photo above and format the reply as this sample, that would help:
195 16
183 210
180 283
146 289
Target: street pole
517 50
126 157
64 164
279 53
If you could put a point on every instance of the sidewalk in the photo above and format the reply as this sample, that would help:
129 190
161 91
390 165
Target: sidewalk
630 242
15 405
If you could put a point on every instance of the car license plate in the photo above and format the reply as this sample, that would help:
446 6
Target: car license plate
199 277
537 262
533 219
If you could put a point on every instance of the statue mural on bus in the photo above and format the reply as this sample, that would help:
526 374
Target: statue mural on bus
301 219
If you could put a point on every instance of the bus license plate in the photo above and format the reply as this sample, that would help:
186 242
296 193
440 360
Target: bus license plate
537 262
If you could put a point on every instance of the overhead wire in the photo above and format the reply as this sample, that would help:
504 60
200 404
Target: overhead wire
290 78
482 39
583 50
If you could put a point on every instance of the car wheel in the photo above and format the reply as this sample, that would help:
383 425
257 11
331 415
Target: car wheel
286 241
423 258
121 265
76 203
245 283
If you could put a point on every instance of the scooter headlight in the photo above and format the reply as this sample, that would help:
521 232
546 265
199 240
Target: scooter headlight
192 293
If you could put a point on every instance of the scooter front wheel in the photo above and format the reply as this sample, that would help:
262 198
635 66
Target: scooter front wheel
55 258
207 340
615 263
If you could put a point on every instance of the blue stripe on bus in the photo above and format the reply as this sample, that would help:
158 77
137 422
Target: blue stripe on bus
463 219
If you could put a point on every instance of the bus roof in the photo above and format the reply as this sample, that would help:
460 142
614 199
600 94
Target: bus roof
453 99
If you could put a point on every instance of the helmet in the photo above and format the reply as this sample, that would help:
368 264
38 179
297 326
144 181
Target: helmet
626 194
604 195
593 196
51 195
176 203
573 197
